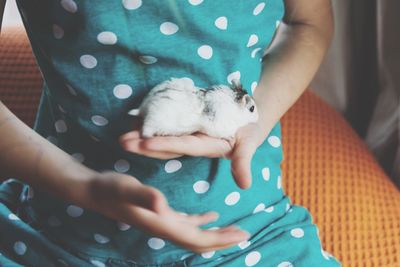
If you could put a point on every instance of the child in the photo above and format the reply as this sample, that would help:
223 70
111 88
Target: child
121 200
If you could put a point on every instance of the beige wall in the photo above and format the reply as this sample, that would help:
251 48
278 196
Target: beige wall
11 14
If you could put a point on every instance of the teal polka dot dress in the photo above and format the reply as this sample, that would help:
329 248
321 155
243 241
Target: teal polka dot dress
99 59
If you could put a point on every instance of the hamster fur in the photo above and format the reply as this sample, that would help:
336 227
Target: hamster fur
177 107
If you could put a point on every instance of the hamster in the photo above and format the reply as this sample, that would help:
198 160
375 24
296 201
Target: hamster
177 107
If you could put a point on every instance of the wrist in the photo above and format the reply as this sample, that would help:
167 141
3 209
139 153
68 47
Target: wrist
78 181
265 125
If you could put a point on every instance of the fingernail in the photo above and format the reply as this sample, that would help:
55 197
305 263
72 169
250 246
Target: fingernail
216 214
247 234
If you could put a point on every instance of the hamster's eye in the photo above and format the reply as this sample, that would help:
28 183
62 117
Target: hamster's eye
251 108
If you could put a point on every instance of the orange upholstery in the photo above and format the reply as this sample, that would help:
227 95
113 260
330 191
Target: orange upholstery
326 167
20 79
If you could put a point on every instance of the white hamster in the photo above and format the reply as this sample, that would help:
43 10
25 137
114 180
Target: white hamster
177 107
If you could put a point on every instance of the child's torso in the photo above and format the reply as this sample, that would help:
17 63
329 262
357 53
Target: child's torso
99 59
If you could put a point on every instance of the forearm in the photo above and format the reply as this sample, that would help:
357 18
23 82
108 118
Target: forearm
27 156
289 65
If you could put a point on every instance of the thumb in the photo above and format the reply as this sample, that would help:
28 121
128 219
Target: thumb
241 163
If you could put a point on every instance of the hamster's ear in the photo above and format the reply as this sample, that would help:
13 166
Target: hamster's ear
246 99
236 84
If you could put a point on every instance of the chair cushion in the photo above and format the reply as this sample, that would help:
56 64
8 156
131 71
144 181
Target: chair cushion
328 169
326 166
20 79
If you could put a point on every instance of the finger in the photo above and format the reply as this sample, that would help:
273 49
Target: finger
241 163
192 145
145 196
198 220
194 238
136 146
135 134
226 237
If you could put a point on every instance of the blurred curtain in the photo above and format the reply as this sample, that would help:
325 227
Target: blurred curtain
360 75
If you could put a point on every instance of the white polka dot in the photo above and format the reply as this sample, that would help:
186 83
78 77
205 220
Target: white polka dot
172 165
259 208
31 192
279 182
253 86
255 51
122 91
61 127
232 198
74 211
258 8
252 258
53 221
168 28
213 228
131 4
195 2
71 90
62 262
97 263
52 139
208 255
201 187
156 243
253 39
58 32
287 206
99 120
121 165
101 239
94 138
20 247
123 226
107 38
325 254
269 209
88 61
205 51
185 256
233 75
69 5
61 109
78 157
221 23
148 59
244 244
13 217
277 23
285 264
274 141
265 173
297 232
134 112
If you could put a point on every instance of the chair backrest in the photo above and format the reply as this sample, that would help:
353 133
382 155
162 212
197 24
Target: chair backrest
20 79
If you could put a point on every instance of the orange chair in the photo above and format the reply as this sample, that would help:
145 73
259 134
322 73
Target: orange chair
326 167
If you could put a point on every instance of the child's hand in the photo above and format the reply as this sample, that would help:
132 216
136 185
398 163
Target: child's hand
240 149
124 198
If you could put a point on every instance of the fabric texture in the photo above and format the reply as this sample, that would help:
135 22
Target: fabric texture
99 64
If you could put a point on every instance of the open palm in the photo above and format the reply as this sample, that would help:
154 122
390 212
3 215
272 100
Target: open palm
239 150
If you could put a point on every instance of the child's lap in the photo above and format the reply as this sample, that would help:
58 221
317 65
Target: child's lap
291 240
